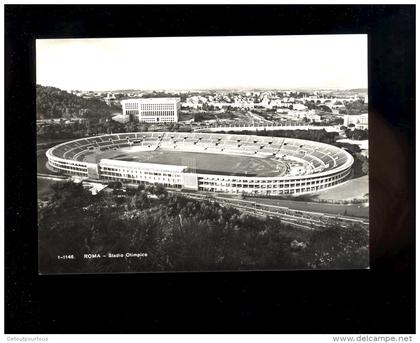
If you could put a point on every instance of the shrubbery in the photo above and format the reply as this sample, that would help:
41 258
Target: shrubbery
179 233
55 103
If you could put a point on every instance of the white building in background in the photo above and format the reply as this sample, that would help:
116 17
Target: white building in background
110 98
360 121
242 104
299 107
314 117
152 110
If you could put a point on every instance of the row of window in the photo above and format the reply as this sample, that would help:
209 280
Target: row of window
134 112
132 105
157 106
135 106
309 181
268 191
153 120
142 182
157 113
68 163
137 171
228 187
68 166
172 180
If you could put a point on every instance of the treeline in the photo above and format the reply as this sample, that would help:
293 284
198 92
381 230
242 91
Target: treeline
357 134
354 108
361 162
159 94
360 165
80 130
178 233
52 102
202 116
315 135
311 105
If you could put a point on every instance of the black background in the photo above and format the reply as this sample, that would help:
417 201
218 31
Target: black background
379 300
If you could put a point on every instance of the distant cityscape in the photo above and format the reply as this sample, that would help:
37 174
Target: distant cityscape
204 109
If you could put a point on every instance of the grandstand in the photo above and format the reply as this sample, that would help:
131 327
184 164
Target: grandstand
295 166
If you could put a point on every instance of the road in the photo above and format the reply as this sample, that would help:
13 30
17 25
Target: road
355 210
302 218
259 118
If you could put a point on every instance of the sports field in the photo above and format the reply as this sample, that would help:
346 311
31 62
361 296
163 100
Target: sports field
205 163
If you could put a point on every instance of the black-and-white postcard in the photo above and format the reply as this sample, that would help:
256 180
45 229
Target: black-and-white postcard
202 153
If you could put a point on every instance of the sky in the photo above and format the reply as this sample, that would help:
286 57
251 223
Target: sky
187 63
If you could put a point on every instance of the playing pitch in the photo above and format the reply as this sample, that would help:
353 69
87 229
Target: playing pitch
205 163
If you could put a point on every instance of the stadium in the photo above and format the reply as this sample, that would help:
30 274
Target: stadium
209 162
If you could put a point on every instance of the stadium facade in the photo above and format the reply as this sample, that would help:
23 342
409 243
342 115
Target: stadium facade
311 166
152 110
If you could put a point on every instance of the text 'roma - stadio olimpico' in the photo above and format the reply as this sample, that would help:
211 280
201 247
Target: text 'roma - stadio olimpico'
306 166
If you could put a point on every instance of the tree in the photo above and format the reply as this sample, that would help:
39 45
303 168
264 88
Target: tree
140 201
356 107
180 233
324 108
55 103
70 193
358 134
160 189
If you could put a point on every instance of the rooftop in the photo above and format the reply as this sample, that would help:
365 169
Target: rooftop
151 100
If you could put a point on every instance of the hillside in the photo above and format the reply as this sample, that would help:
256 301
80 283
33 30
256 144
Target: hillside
180 234
55 103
